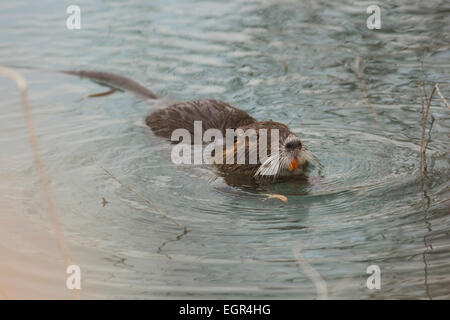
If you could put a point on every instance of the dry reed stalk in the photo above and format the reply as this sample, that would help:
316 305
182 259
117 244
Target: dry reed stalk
424 165
43 177
422 70
436 86
422 142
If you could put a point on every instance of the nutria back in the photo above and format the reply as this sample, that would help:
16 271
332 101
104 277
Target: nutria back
214 114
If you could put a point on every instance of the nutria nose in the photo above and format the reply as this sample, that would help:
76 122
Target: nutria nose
293 144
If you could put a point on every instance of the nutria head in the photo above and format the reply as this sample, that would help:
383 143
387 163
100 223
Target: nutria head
283 154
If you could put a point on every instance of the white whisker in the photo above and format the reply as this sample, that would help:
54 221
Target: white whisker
312 158
270 167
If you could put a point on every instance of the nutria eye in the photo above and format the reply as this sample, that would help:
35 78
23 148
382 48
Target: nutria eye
291 145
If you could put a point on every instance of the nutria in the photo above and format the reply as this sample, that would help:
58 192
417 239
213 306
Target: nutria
292 158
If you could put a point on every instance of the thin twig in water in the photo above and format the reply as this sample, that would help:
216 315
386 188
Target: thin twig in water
424 124
365 92
177 238
422 61
436 86
422 70
427 141
160 212
422 141
423 167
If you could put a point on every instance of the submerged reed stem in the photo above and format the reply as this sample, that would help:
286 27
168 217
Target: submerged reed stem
365 92
146 200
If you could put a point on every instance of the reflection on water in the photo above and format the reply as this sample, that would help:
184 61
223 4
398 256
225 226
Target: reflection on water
293 62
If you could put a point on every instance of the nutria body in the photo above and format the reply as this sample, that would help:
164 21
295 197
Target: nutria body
288 158
213 114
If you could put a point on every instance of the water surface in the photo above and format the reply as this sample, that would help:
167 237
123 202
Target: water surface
290 61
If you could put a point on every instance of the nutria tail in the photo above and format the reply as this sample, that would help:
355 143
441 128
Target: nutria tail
115 81
213 114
